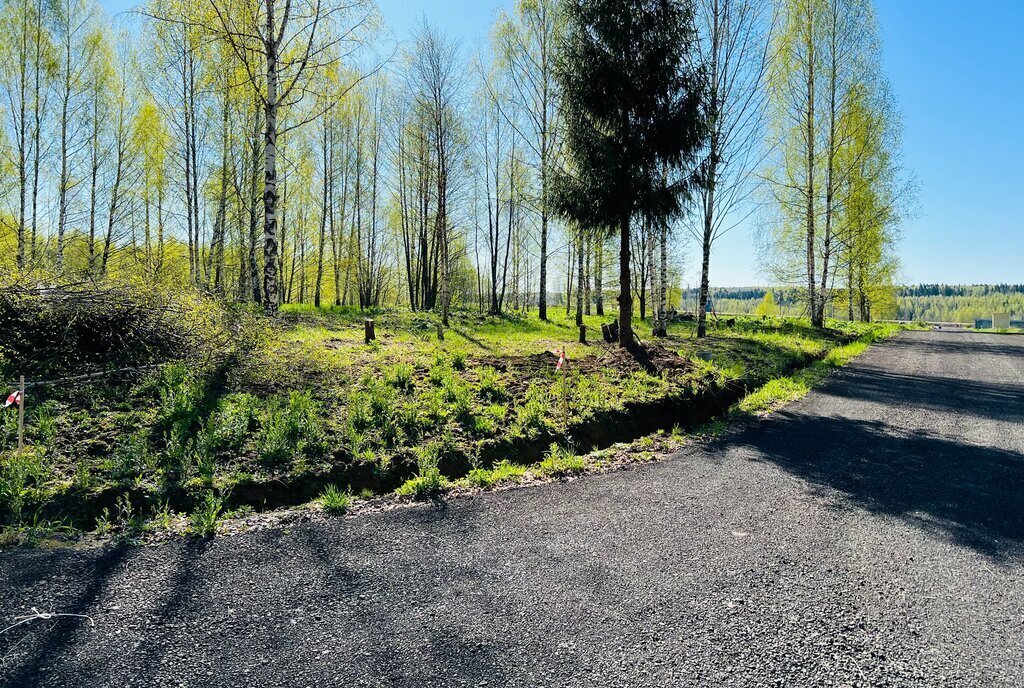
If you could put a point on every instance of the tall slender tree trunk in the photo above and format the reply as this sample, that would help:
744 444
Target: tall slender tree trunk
663 283
625 286
812 301
579 278
324 209
62 202
270 289
599 276
220 224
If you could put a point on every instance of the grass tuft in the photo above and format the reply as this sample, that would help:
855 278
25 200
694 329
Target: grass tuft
334 501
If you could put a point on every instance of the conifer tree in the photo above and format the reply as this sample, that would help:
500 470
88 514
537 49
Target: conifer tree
633 98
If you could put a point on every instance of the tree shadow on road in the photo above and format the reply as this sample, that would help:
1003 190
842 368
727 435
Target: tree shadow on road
971 495
951 342
1001 402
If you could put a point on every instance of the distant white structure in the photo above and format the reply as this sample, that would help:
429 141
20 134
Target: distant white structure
1000 321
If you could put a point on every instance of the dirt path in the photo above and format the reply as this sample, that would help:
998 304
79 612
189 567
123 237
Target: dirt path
870 535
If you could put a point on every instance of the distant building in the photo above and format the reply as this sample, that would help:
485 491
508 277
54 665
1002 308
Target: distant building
998 321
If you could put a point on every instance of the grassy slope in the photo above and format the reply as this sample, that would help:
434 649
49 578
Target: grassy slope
314 400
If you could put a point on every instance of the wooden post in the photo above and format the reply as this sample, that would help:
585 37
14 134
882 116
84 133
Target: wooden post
368 330
440 332
21 417
583 334
565 387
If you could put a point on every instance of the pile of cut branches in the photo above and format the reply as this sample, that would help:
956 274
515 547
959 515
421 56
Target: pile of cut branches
54 330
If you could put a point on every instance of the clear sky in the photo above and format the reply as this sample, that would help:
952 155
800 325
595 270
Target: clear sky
957 69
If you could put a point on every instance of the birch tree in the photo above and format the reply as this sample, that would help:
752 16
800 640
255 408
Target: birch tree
734 41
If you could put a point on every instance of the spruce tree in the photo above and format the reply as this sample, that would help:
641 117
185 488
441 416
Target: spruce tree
633 107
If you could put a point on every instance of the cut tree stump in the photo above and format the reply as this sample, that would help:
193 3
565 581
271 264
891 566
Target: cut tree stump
368 332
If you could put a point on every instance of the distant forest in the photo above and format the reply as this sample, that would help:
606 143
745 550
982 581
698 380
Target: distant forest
925 302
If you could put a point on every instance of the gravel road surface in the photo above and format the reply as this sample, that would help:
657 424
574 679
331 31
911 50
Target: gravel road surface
869 535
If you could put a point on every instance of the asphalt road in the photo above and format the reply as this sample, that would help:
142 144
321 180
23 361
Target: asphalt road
870 535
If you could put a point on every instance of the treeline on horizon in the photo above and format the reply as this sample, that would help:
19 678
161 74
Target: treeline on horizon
272 153
963 303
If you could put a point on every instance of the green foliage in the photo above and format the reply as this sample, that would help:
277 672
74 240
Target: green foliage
182 397
43 423
123 521
530 417
767 307
429 482
491 386
204 519
561 461
334 501
132 456
290 429
502 473
400 376
21 474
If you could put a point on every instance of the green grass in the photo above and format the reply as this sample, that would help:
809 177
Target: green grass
502 473
560 462
782 390
312 397
334 500
204 519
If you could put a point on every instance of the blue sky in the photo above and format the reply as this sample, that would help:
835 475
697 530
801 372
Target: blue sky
957 69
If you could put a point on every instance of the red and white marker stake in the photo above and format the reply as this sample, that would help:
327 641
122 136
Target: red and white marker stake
18 397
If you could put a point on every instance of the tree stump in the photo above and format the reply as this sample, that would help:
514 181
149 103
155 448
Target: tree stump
368 331
440 332
611 332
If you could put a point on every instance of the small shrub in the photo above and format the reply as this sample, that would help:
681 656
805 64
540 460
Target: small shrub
334 501
203 521
458 360
19 474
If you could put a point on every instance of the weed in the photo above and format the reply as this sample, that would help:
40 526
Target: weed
561 461
289 429
400 376
503 472
45 429
429 482
123 521
491 386
163 517
182 395
131 457
203 521
334 501
20 473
